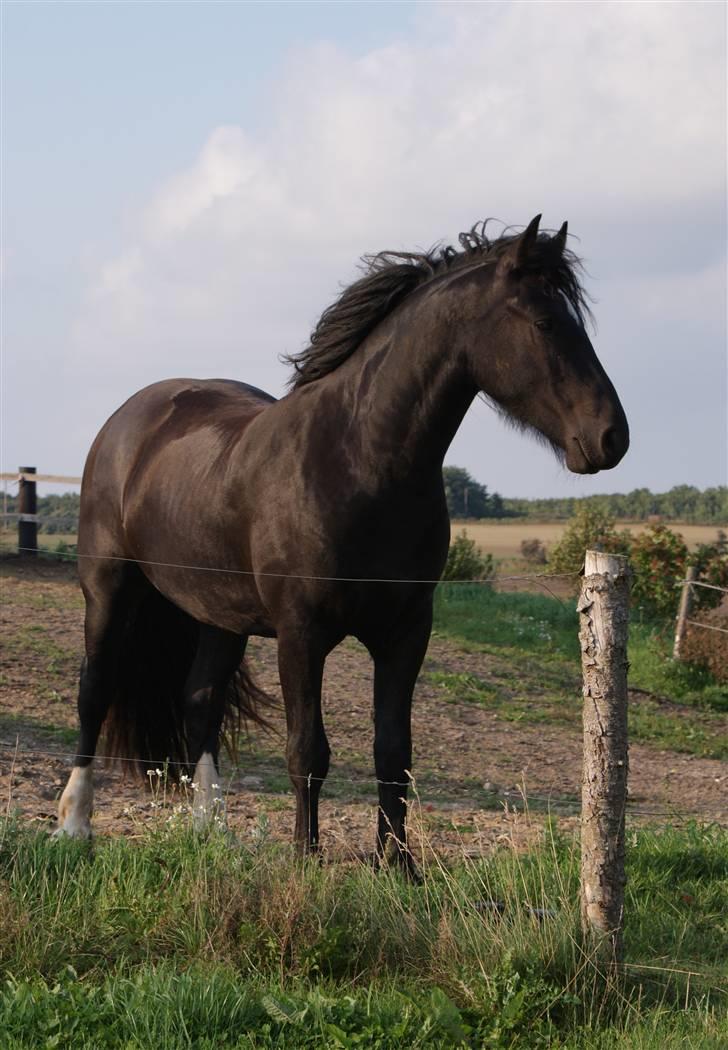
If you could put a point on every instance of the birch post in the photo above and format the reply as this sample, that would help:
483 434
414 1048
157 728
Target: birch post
604 620
686 596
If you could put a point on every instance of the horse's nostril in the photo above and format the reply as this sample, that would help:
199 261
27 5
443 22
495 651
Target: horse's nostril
610 440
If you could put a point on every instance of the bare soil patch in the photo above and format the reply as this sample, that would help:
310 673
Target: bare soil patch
471 764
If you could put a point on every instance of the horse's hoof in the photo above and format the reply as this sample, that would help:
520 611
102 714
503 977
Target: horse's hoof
400 862
490 907
81 831
412 873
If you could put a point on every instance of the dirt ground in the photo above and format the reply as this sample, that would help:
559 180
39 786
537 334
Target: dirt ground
471 764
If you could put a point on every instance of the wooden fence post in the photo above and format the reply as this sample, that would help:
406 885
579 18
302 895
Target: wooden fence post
686 597
27 514
604 620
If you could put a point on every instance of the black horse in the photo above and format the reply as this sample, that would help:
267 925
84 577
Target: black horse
211 512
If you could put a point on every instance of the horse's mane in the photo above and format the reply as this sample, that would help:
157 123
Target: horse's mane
389 277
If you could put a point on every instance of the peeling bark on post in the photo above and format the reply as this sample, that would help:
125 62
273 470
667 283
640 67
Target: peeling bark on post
604 620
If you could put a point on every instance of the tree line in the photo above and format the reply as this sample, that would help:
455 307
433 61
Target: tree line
468 498
684 503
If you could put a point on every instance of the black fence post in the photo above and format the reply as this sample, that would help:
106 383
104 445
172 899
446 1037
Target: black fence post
27 514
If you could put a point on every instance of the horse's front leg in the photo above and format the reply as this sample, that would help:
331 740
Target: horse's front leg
301 667
397 663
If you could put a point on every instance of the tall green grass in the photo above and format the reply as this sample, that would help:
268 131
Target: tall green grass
172 941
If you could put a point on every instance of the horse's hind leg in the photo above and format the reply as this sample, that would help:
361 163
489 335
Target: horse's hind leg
218 656
108 590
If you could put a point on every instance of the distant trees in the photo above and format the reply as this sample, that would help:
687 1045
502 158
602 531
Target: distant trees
467 498
684 503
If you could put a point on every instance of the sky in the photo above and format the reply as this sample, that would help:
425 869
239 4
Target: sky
186 186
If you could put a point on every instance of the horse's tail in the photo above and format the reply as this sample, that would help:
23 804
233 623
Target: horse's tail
144 727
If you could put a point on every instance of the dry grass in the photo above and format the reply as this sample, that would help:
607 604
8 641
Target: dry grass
503 539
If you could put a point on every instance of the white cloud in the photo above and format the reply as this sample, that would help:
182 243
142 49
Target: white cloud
227 165
611 115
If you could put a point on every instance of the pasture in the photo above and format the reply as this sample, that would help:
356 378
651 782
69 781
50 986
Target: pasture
503 538
252 950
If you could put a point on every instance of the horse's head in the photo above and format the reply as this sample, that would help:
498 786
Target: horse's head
538 364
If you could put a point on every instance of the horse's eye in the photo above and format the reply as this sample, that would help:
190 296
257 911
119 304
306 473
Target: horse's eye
544 324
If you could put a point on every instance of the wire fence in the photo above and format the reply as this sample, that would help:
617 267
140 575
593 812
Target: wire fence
708 586
540 578
75 556
515 799
69 522
701 583
456 793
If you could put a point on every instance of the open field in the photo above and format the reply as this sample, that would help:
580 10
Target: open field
503 539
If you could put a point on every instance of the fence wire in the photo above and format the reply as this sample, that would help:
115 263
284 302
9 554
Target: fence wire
710 587
507 798
700 583
543 576
707 626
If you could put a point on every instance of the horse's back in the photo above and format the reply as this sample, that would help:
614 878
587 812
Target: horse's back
166 434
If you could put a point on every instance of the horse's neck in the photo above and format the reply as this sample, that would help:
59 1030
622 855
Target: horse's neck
407 393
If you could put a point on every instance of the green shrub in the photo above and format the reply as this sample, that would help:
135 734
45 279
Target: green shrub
465 560
533 551
659 558
590 529
711 561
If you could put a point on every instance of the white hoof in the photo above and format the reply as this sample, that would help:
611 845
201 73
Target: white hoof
76 805
208 808
80 831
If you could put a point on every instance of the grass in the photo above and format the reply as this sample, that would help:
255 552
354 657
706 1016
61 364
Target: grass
47 541
535 673
177 942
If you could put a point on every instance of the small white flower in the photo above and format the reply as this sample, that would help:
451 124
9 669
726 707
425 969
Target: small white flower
215 787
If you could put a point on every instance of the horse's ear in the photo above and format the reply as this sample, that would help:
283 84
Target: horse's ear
520 248
560 238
